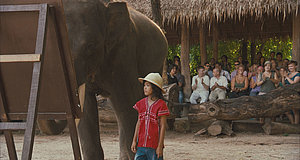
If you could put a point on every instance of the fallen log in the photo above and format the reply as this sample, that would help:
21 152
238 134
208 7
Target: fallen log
281 128
198 117
219 127
274 103
247 126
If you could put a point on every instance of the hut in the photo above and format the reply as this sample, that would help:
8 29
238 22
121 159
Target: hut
208 21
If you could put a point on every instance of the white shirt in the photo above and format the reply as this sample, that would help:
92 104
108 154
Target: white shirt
222 81
200 87
226 74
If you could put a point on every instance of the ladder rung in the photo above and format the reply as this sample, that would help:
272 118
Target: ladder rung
12 125
20 58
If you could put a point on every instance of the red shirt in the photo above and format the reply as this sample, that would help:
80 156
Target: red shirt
149 125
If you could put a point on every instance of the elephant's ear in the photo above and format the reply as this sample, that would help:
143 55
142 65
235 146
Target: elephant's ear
119 23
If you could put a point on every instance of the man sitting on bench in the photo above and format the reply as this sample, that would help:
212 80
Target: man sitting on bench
200 86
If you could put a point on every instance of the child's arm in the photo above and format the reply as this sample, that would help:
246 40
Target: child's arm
134 141
163 124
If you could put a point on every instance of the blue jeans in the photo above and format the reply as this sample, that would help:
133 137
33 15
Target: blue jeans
180 98
253 94
145 153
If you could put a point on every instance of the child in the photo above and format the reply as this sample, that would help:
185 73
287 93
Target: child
148 140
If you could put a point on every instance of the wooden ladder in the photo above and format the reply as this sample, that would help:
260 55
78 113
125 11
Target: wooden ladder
37 59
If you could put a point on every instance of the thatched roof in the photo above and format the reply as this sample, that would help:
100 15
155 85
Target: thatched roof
206 11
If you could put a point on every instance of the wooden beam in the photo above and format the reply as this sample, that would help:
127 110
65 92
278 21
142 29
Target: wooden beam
296 38
215 41
20 58
202 39
12 125
185 59
16 8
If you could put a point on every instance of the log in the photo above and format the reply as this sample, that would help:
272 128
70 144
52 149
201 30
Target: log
200 132
198 117
281 128
272 104
219 127
247 126
182 125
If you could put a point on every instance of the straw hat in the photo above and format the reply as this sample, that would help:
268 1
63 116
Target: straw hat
267 62
155 79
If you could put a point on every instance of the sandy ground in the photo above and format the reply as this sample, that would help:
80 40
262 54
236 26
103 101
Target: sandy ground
179 146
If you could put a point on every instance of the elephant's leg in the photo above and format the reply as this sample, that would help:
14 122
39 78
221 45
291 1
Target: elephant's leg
88 128
127 91
126 123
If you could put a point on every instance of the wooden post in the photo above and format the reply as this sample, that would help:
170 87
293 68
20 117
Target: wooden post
253 51
215 41
296 39
244 50
202 41
185 59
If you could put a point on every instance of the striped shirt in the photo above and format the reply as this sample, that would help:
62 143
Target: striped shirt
149 122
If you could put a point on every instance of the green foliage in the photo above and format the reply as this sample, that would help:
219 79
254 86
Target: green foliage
277 45
232 49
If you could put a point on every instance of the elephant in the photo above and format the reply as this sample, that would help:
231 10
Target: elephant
112 45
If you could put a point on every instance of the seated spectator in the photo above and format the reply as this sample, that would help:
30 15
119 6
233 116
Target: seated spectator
272 55
212 63
239 84
171 76
268 79
176 61
257 57
274 67
236 65
282 72
291 78
279 59
180 79
200 86
252 71
262 61
223 72
240 59
254 88
218 86
285 63
208 70
225 64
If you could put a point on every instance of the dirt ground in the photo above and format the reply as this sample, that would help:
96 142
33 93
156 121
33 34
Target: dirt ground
179 146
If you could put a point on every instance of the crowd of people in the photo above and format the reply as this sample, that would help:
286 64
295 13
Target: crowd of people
216 80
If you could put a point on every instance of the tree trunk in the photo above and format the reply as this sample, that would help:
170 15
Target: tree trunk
281 128
156 12
157 17
296 39
185 59
274 103
202 40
